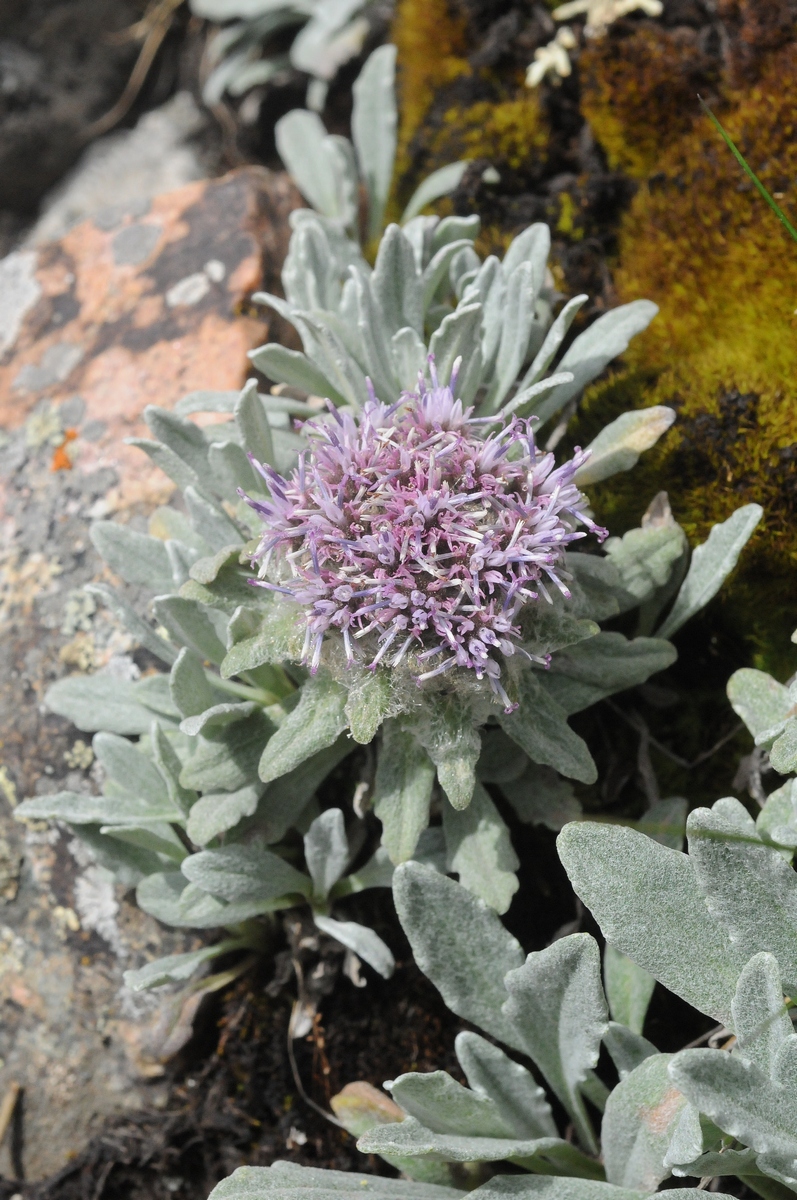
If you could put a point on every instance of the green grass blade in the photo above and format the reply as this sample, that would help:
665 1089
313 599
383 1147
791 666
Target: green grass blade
749 171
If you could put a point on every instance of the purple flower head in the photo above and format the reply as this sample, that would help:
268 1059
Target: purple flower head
416 536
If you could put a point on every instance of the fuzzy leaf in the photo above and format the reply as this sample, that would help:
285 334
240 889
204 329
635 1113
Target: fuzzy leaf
244 873
712 562
362 941
217 717
777 820
182 437
582 675
369 700
159 896
541 797
284 1179
539 727
316 722
294 368
647 901
286 798
170 766
253 426
750 891
373 129
410 1138
402 790
595 348
640 1118
94 702
442 1105
557 1007
441 182
517 1097
618 446
326 851
627 1049
628 989
189 685
137 557
144 634
479 850
130 768
216 812
536 1187
189 626
229 760
645 558
465 959
760 1017
175 967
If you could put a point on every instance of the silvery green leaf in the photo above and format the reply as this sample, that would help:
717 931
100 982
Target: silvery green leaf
719 1163
553 340
375 334
326 851
479 850
536 1187
760 1017
136 557
532 245
523 402
619 445
169 765
410 1138
712 562
144 634
541 797
132 769
167 461
253 74
457 337
316 722
189 625
216 812
539 727
640 1119
366 944
628 989
646 558
750 891
244 873
253 426
231 469
440 183
761 702
436 271
206 400
176 967
190 689
197 909
155 836
159 895
182 557
783 755
740 1098
517 323
229 761
465 959
369 701
402 790
454 229
558 1009
373 128
294 368
446 730
181 436
647 901
395 281
595 348
314 162
216 527
217 717
419 231
777 820
94 702
409 357
286 798
583 674
153 692
686 1140
627 1049
442 1105
595 586
513 1090
488 288
332 357
260 1183
782 1167
76 808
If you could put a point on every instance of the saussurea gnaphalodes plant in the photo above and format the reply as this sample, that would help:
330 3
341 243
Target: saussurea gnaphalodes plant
384 526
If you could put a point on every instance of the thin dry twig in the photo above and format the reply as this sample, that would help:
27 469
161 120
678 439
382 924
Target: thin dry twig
9 1103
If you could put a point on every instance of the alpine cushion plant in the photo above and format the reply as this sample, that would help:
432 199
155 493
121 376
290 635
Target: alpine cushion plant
210 812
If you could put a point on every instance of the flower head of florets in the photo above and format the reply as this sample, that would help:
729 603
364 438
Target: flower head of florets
416 534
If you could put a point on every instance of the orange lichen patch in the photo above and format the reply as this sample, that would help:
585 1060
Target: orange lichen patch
639 92
61 460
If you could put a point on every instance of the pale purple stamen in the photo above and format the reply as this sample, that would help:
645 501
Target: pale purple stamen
416 521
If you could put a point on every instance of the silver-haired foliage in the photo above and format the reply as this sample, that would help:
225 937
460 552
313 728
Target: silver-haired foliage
234 736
